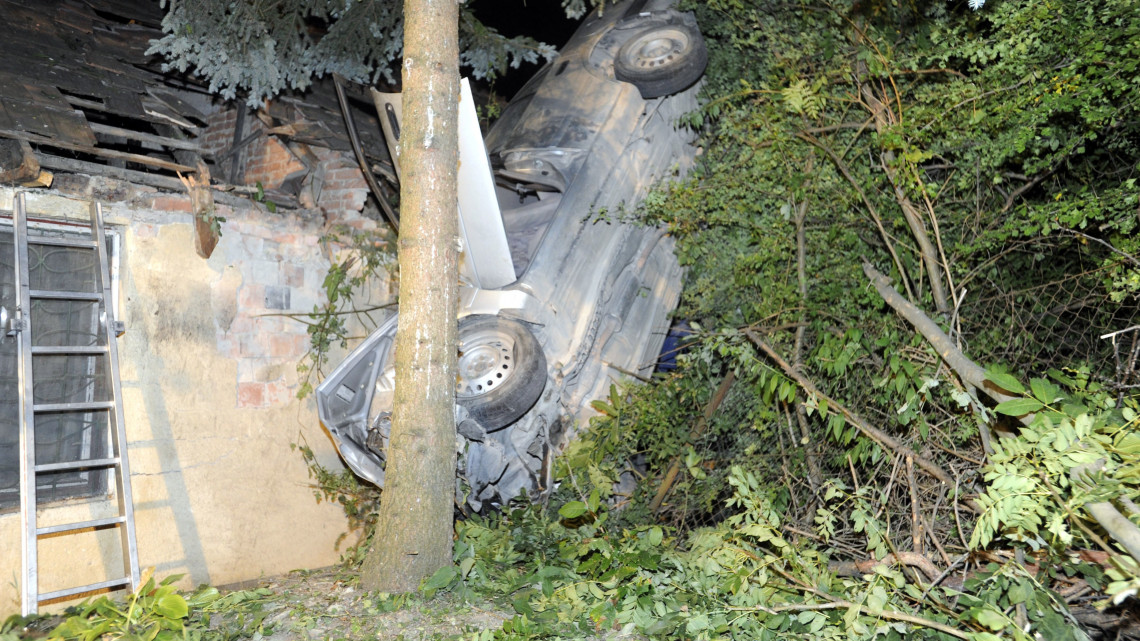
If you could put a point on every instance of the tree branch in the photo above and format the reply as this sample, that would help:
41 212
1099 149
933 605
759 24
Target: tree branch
699 429
873 433
969 371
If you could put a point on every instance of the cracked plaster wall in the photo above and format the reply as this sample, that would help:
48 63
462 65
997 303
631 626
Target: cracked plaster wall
209 382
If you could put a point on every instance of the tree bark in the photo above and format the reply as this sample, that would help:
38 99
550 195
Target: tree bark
970 372
414 532
880 111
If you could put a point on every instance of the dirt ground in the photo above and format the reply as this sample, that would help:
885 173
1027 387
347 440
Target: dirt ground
323 604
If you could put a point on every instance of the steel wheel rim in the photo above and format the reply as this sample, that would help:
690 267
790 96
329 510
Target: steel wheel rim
486 363
657 48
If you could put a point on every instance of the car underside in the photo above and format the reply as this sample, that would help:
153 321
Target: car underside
561 294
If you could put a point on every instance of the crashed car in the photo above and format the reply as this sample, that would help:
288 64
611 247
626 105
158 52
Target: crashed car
559 297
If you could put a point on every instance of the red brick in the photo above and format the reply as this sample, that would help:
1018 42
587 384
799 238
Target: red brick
251 297
171 203
251 395
277 393
286 345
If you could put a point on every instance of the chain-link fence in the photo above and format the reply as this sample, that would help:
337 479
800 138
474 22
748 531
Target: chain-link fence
1032 306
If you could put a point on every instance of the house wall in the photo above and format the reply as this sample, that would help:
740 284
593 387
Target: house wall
209 381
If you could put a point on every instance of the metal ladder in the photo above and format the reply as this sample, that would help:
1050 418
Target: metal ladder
29 410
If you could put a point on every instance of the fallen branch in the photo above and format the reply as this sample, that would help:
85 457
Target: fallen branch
1104 513
912 559
969 371
698 430
873 433
833 603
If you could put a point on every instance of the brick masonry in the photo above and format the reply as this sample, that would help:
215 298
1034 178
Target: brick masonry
269 161
269 258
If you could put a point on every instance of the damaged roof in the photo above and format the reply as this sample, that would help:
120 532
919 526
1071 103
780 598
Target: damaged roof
81 95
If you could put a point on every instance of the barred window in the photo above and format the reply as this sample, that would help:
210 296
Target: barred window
70 378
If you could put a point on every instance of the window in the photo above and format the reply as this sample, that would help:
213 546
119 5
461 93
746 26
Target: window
68 378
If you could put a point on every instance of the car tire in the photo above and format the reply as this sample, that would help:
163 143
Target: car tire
662 59
501 370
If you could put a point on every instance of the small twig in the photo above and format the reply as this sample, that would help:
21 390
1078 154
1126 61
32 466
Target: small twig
875 434
916 523
698 429
834 603
945 573
871 210
1117 333
895 461
958 454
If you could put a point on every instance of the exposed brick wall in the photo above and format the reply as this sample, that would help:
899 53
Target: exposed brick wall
272 258
269 161
344 190
218 136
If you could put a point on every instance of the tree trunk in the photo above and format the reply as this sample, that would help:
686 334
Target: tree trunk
414 533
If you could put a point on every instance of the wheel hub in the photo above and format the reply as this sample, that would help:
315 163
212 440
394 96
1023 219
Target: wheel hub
482 368
659 49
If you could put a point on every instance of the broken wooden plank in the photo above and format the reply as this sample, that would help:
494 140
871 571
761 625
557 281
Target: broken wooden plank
159 109
18 165
129 175
130 134
176 104
140 159
91 105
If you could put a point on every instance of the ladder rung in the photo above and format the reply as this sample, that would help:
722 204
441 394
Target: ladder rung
69 349
83 243
113 583
73 407
58 295
79 525
77 465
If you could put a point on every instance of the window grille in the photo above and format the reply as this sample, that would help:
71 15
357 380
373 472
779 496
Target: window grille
71 378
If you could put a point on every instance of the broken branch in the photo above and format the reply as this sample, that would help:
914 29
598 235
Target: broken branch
873 433
698 430
969 371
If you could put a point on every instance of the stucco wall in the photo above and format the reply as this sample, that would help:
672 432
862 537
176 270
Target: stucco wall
209 382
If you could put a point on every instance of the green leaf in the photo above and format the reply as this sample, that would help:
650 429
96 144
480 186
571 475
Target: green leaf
595 500
697 623
654 536
1043 390
171 606
1019 406
1005 381
990 618
572 510
1020 592
442 578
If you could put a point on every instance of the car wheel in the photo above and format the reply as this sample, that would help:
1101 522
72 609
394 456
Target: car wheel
502 370
662 59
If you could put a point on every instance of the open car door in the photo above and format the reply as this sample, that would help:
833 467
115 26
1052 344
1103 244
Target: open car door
485 258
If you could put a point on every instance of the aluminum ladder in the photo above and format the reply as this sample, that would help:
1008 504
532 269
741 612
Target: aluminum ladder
29 409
